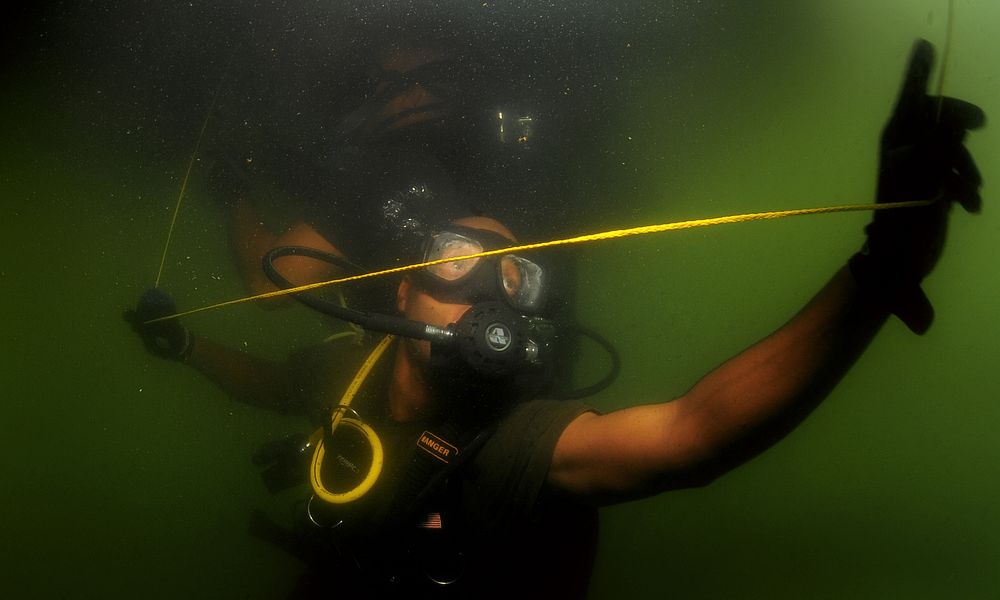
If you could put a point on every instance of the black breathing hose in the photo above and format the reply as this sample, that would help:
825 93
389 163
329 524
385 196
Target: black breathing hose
372 321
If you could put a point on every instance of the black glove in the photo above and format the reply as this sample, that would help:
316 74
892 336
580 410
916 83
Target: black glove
168 339
922 157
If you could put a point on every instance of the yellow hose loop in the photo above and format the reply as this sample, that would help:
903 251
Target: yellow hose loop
366 484
607 235
336 419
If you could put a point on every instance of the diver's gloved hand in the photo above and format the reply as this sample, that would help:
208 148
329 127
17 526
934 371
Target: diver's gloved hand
922 157
167 339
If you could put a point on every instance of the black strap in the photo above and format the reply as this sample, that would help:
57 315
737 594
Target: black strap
427 471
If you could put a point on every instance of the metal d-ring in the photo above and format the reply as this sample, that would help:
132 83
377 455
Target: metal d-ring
312 519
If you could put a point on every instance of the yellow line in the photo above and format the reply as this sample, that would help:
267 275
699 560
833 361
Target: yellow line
949 29
177 207
607 235
187 175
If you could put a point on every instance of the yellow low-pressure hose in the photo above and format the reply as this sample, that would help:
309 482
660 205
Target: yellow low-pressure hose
337 419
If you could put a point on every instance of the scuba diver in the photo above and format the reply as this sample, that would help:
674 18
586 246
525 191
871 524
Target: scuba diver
435 447
483 487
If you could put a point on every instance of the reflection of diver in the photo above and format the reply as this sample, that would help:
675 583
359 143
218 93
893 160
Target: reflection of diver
429 144
521 504
426 141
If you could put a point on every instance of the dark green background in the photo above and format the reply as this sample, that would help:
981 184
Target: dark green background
127 476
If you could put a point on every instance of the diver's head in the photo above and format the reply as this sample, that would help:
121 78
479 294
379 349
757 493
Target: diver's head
441 294
438 295
489 305
406 55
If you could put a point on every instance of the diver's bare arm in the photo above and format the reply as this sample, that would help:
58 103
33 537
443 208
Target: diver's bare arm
250 240
730 415
244 377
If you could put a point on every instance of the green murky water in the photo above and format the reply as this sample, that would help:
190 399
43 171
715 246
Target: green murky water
127 476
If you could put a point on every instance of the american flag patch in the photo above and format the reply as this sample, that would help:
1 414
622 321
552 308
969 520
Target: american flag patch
433 521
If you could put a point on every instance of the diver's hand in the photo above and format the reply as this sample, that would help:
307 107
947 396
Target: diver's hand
922 157
167 339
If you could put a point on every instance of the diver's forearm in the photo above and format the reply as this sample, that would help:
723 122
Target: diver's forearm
758 396
245 378
730 415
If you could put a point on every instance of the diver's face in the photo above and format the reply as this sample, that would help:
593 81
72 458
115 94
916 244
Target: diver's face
404 60
418 305
410 99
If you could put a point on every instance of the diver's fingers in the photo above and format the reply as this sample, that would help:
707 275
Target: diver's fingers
959 114
916 77
963 190
965 165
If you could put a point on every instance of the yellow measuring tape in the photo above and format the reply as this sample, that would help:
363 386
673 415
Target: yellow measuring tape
593 237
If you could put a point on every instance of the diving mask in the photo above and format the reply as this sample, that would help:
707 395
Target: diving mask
501 334
516 280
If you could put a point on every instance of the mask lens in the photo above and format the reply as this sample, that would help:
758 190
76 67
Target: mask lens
448 245
522 281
